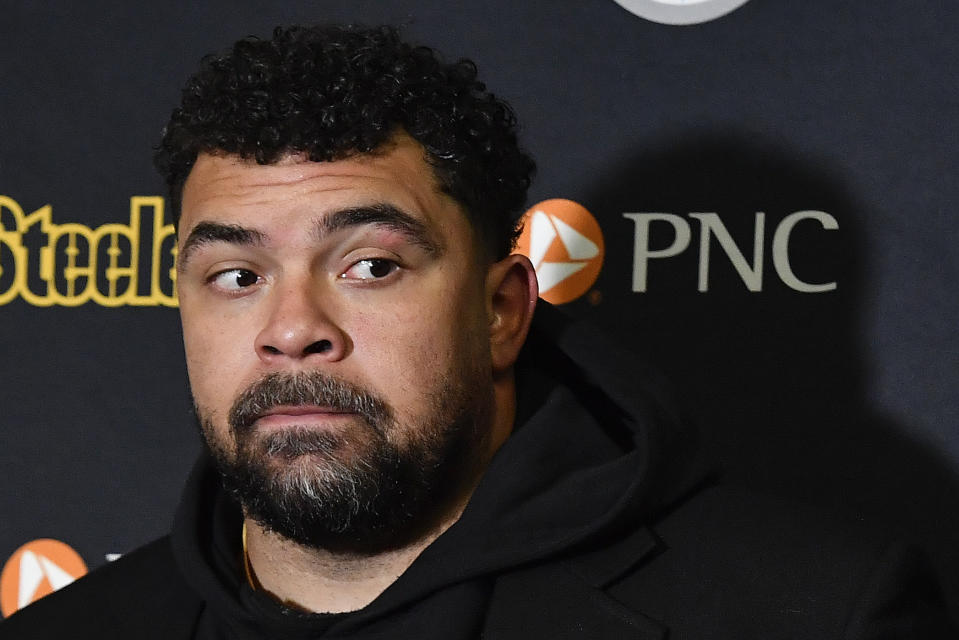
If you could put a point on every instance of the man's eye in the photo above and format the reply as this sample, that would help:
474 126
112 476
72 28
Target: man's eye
370 269
235 279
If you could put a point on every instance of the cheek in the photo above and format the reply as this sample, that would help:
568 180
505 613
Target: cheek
213 357
410 352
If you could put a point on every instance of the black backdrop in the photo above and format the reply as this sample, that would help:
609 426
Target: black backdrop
845 398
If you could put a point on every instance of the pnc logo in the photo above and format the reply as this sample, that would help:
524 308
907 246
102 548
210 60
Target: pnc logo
678 12
35 570
565 244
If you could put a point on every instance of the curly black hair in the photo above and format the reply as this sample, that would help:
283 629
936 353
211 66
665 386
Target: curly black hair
330 92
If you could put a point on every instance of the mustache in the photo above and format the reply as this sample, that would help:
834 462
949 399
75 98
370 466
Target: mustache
307 388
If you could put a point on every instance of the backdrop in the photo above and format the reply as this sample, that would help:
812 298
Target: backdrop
774 195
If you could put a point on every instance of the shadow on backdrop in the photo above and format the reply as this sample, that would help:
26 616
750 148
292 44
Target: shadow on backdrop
778 380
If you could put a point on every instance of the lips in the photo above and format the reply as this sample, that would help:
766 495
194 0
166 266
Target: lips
306 398
286 415
301 410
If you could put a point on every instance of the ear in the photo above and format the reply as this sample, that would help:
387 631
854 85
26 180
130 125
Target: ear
511 293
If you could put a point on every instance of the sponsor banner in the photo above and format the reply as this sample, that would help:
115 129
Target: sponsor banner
35 570
704 233
680 12
565 244
69 264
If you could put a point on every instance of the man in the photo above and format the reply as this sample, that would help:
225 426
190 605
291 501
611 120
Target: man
396 449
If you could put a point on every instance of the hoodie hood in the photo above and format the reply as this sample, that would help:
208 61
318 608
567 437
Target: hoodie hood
596 449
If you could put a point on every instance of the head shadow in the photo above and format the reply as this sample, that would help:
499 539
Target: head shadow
778 380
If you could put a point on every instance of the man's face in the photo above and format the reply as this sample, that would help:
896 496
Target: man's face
337 339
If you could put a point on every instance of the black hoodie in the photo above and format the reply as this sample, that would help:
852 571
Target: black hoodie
594 452
588 523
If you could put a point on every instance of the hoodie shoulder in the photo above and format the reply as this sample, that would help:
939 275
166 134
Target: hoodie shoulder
747 565
140 595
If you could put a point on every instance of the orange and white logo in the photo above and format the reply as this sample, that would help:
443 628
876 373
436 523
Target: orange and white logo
37 569
565 244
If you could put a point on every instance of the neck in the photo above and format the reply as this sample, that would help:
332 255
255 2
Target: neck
320 581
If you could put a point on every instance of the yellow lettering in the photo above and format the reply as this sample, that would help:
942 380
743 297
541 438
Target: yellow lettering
11 239
77 264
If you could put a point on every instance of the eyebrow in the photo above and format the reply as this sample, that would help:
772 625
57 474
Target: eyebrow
210 232
380 214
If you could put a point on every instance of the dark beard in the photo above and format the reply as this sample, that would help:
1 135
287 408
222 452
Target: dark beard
357 490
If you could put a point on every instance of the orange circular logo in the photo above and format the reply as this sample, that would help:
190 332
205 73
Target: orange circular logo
37 569
565 244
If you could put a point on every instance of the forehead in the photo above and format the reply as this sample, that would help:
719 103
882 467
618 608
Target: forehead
227 188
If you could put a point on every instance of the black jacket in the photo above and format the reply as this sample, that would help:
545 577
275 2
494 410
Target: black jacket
593 521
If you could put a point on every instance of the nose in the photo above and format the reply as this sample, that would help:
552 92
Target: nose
299 328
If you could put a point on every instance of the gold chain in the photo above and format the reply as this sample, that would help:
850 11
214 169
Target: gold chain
247 567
